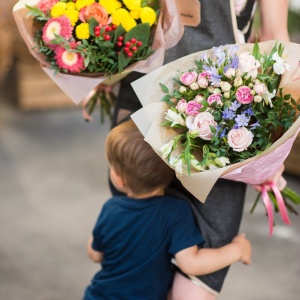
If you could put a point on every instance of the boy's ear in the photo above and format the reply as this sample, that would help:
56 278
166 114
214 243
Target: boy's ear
117 181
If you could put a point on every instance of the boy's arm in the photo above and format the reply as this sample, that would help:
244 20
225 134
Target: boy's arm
94 255
196 261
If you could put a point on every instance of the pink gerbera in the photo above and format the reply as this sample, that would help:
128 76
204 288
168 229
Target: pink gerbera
57 26
46 5
71 61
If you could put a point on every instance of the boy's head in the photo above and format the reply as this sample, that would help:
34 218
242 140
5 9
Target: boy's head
133 159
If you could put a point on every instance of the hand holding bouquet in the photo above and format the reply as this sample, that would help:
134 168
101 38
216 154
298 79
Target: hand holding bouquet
232 113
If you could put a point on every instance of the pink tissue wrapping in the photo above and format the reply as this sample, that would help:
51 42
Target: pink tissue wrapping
252 171
168 32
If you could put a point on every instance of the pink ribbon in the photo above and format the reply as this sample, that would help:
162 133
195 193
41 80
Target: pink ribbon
268 204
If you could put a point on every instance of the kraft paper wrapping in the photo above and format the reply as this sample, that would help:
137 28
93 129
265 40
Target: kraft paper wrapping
168 32
251 171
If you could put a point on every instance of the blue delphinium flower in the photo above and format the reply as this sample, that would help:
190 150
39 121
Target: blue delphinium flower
235 105
228 114
249 111
242 120
254 125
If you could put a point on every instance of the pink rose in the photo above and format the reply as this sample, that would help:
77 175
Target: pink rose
239 139
260 88
215 98
202 82
188 78
181 105
192 108
202 123
248 63
243 95
205 74
46 5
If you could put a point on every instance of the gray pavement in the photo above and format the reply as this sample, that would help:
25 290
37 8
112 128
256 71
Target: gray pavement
53 182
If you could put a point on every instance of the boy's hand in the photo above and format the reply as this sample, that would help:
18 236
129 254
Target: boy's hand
244 247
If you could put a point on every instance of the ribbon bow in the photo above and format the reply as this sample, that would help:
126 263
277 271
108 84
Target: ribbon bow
267 202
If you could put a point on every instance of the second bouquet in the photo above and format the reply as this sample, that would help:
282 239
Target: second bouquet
229 112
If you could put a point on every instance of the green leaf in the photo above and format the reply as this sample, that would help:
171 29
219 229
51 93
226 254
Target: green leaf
123 61
92 24
118 32
141 32
164 88
255 51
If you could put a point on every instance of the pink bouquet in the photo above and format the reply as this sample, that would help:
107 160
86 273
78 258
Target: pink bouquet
83 43
231 112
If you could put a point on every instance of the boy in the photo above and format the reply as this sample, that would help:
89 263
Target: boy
136 236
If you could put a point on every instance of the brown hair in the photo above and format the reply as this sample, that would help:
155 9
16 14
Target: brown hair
135 161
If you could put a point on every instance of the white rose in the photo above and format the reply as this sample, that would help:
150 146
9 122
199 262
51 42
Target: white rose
260 88
194 86
199 98
230 73
240 139
279 66
182 89
248 64
257 99
225 86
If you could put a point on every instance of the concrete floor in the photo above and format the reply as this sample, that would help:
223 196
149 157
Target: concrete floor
53 183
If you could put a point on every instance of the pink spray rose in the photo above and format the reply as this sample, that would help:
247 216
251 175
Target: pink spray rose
202 123
188 78
243 95
239 139
248 63
181 105
260 88
202 81
192 108
215 98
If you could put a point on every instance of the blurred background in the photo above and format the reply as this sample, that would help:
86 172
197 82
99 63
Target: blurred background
54 180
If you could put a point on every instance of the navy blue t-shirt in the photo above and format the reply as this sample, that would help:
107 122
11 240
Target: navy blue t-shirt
138 238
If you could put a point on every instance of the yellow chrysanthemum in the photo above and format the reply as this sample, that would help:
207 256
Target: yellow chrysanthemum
73 15
135 14
148 15
82 3
119 15
110 5
58 10
82 31
128 23
70 5
133 4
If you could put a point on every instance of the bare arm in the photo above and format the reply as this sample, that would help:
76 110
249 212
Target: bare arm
274 16
94 255
196 261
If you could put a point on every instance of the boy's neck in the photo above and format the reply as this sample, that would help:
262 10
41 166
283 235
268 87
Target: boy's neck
157 192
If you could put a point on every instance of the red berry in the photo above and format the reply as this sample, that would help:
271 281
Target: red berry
139 43
126 49
97 28
133 48
129 54
127 44
120 38
133 40
97 33
113 27
119 44
107 28
107 37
